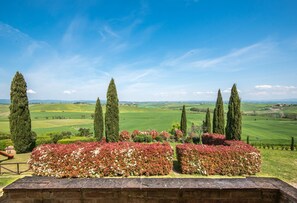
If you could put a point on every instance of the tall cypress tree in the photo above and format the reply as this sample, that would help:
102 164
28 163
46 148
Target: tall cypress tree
183 121
112 114
19 118
207 121
98 121
233 127
218 116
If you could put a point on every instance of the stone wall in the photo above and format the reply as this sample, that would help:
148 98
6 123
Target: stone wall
148 190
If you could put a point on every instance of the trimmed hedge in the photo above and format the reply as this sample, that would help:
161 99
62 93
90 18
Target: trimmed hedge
213 139
101 159
231 158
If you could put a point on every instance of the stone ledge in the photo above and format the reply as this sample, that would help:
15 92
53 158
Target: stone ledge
34 189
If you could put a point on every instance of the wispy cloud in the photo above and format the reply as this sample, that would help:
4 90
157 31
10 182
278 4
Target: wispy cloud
30 91
228 90
235 60
13 33
275 87
27 45
267 91
204 93
69 91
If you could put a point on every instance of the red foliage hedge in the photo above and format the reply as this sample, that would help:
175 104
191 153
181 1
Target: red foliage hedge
101 159
213 139
231 158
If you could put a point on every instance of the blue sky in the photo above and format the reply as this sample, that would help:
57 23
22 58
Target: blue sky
158 50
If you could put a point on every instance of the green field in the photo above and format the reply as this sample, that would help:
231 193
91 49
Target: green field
260 121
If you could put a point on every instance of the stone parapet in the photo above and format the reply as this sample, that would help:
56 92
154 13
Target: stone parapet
148 190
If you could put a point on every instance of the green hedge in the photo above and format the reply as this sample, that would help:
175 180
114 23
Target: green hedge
5 143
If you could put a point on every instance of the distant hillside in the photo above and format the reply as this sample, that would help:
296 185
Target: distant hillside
53 101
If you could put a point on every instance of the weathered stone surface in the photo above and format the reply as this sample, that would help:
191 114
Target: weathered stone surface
149 190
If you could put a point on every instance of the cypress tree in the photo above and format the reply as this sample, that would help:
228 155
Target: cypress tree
19 118
183 121
233 127
98 121
112 114
207 121
218 116
292 144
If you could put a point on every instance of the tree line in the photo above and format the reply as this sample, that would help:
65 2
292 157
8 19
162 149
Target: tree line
234 117
24 138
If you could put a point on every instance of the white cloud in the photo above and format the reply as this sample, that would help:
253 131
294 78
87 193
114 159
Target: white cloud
275 87
267 91
69 91
229 90
204 93
30 91
263 86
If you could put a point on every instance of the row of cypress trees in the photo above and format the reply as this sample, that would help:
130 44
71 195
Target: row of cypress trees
111 116
24 139
233 126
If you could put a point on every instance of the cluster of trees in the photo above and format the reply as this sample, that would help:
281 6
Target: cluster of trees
112 118
233 127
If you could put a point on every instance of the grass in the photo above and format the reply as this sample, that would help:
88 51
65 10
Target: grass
151 115
280 164
6 178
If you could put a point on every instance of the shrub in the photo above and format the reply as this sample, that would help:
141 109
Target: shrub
66 134
84 132
231 158
196 139
43 140
124 136
159 139
99 159
174 127
188 140
165 135
76 139
143 138
4 136
135 133
178 135
55 137
213 139
154 134
5 143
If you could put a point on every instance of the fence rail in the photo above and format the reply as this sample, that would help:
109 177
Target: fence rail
5 170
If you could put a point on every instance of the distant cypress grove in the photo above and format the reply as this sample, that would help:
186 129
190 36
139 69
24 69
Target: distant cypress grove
218 116
19 119
183 121
207 121
112 114
233 127
98 121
